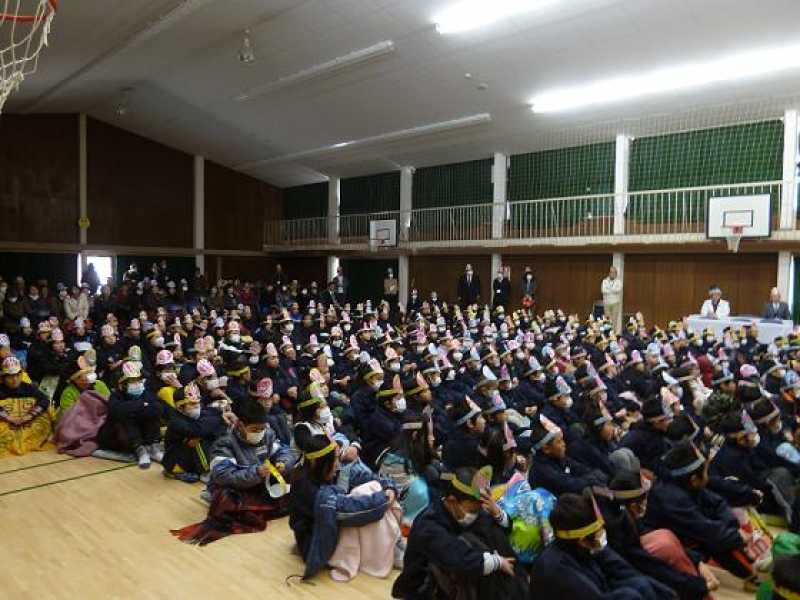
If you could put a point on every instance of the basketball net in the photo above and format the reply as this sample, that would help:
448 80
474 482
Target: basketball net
734 238
24 28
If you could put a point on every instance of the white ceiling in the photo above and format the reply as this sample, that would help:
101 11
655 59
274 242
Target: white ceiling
185 73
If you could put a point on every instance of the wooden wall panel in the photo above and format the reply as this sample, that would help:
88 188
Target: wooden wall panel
140 192
39 178
669 286
236 206
246 268
570 282
441 273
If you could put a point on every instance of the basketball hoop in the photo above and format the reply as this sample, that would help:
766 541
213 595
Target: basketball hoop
734 238
24 28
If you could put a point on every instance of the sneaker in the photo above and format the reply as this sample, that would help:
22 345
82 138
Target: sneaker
144 457
205 477
185 477
205 496
155 452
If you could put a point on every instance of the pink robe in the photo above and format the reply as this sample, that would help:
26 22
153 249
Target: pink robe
77 431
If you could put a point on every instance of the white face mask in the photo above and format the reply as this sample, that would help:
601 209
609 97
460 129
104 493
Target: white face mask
394 367
254 438
329 362
375 385
212 384
253 360
400 405
568 402
420 349
601 544
91 378
135 389
519 355
158 342
289 327
235 337
436 382
457 356
468 519
193 413
325 415
756 441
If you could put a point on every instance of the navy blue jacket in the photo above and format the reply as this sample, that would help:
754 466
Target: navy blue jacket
648 444
461 450
560 476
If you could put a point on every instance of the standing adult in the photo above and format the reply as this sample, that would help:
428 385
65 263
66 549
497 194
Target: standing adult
279 278
469 287
391 288
501 290
612 298
91 279
341 286
528 288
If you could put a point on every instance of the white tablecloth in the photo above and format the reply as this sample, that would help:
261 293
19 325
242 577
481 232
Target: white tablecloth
767 330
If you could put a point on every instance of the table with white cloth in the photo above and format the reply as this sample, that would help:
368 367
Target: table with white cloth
768 329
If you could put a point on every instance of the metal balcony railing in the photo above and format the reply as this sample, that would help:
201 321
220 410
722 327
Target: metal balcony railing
650 212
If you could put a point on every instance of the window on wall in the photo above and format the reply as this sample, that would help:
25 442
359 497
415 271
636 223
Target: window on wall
103 266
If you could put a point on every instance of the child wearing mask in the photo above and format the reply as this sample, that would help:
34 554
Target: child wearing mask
386 421
462 447
248 482
579 564
459 545
83 377
189 436
321 511
133 418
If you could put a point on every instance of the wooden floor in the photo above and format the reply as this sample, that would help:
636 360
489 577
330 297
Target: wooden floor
93 529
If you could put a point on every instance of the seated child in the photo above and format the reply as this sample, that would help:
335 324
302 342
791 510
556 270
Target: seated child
247 484
459 545
579 564
319 508
25 423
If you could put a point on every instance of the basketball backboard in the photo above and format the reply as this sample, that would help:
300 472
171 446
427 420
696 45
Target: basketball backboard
747 215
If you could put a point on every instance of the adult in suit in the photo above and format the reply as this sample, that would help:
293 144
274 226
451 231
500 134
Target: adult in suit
501 290
715 307
469 287
528 284
775 308
342 287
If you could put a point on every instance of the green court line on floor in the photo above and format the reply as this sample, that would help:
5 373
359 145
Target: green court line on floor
49 483
52 462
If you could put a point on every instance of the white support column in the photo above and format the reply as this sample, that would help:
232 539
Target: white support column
618 260
406 205
199 236
499 195
333 210
790 159
403 278
497 263
785 277
333 266
82 176
622 163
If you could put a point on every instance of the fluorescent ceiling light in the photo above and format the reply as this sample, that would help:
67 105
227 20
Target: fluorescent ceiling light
392 136
733 67
339 63
472 14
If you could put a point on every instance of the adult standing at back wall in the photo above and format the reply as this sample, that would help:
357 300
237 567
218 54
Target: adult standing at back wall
612 298
469 287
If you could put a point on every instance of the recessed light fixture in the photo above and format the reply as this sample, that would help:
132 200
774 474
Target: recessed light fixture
246 54
472 14
732 67
124 103
327 68
392 136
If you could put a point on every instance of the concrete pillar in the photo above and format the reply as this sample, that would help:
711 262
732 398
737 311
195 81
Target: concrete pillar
785 283
406 205
618 260
333 210
199 231
622 162
790 159
332 266
403 278
499 194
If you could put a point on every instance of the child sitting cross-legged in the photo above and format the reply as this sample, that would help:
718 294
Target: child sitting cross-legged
247 485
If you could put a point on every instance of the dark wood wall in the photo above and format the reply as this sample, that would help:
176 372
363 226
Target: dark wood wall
669 286
441 273
236 207
568 281
39 178
246 268
140 193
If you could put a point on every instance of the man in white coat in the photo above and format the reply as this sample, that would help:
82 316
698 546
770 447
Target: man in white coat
612 298
715 307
